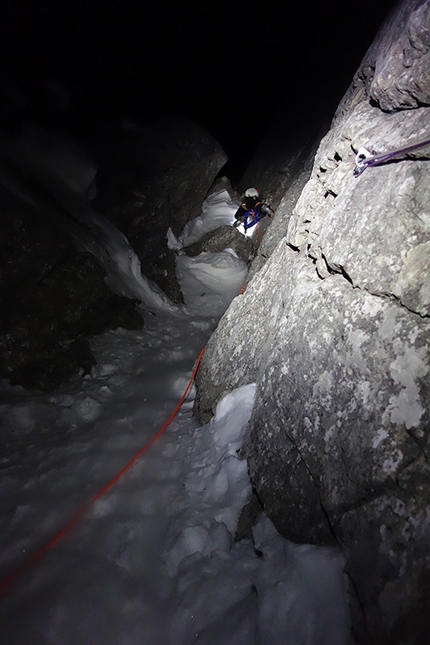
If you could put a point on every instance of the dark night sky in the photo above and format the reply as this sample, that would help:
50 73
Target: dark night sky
230 65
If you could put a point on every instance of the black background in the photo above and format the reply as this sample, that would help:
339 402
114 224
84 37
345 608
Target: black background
229 65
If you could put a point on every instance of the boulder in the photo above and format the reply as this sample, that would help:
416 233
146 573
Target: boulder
222 238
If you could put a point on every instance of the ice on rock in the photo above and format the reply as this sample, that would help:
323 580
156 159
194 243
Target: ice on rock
219 486
209 281
218 272
227 611
230 474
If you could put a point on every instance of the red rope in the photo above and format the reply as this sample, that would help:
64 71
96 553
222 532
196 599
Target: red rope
27 564
258 233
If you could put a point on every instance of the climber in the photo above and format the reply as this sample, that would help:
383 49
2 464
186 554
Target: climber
252 209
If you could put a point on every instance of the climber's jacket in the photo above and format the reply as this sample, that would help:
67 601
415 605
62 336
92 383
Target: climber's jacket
251 211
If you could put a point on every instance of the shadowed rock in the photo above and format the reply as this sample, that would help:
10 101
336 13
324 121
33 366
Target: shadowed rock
222 238
155 177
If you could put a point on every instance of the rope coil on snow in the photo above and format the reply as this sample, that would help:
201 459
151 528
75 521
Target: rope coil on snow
29 562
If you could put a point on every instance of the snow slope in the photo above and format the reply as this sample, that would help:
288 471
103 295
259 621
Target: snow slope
154 561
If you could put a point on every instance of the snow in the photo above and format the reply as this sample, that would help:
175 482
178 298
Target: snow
154 560
218 210
210 280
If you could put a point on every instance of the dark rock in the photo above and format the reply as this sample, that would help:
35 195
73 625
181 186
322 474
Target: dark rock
163 272
51 293
29 247
220 239
155 177
248 517
116 311
283 154
50 297
44 364
222 183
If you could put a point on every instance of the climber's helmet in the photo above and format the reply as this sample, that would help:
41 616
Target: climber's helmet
251 192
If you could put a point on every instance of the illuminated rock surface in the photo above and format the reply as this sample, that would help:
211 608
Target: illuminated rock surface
334 329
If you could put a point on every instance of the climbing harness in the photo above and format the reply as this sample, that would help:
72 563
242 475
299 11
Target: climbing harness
27 564
251 218
364 159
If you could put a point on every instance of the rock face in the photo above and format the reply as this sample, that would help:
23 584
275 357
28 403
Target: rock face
52 297
156 177
334 328
53 293
402 75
